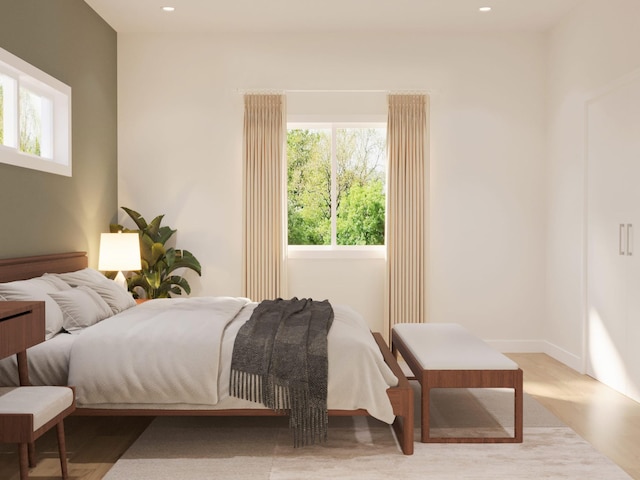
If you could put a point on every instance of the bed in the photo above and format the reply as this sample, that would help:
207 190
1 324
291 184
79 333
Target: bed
124 364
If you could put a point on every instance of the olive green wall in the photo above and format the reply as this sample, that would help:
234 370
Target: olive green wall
42 212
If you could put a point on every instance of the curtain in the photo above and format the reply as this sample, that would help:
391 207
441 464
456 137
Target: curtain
264 137
407 144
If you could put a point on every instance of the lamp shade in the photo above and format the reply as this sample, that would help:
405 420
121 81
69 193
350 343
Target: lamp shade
119 251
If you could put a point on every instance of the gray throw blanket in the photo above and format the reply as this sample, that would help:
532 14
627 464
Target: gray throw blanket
280 359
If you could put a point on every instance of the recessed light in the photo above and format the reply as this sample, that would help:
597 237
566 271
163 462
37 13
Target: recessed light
485 9
168 9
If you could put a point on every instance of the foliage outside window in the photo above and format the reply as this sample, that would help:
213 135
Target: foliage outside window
32 110
336 185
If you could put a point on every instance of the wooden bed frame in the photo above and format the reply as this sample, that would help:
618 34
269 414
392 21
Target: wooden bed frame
401 396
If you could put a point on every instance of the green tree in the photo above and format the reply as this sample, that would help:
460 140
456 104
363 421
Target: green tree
309 187
360 157
361 217
30 123
359 196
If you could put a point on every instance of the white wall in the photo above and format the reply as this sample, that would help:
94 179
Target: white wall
596 45
180 131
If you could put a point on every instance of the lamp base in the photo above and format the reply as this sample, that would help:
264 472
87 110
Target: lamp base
120 280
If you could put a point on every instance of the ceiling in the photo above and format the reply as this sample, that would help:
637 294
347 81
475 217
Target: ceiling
196 16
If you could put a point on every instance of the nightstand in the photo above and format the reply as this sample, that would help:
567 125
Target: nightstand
22 325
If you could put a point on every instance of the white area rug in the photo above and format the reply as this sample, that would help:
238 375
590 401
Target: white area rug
190 448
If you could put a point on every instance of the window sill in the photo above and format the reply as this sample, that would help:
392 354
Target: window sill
320 252
11 156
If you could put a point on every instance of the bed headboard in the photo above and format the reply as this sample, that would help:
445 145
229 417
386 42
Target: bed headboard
23 268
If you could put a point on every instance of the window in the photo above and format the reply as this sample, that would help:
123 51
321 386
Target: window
336 184
35 124
35 117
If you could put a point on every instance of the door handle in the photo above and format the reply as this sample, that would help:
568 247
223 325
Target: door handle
621 248
629 239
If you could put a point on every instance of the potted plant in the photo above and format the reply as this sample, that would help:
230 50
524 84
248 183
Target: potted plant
157 279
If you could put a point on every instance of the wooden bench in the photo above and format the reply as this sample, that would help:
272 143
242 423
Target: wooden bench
27 412
446 355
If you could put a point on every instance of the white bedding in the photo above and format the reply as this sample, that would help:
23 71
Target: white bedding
166 354
48 363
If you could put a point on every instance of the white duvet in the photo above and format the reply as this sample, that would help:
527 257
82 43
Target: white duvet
176 353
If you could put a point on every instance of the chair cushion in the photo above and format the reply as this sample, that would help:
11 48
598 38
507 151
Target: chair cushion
44 403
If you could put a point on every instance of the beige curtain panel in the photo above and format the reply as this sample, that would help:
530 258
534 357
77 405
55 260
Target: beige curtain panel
264 136
407 144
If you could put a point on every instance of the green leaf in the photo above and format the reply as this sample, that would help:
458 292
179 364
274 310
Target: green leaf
164 234
153 278
185 259
136 217
157 253
181 283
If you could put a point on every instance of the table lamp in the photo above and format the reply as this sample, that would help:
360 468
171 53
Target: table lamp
118 252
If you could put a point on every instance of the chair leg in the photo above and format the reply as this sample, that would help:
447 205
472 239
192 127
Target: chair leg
24 461
62 449
32 454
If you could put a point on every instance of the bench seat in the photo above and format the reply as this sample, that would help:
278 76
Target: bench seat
28 412
446 355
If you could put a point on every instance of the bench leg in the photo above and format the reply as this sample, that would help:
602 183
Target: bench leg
518 408
32 454
426 413
23 450
62 449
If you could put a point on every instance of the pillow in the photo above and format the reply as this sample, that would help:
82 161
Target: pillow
55 281
116 297
86 276
81 307
36 289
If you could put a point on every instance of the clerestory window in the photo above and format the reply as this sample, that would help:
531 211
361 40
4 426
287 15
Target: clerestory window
35 117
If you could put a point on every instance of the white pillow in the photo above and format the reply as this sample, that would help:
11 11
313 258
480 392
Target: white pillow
81 307
116 297
86 276
55 281
36 289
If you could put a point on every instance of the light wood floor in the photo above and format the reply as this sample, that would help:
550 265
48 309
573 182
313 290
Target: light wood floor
605 418
610 421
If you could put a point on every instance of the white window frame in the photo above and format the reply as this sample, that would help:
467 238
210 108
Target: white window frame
334 251
56 143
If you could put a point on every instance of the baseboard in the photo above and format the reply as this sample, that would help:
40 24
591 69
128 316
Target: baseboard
568 358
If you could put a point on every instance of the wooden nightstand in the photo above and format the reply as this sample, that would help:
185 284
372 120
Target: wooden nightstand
21 326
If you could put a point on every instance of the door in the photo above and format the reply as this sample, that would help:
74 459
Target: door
632 140
613 273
